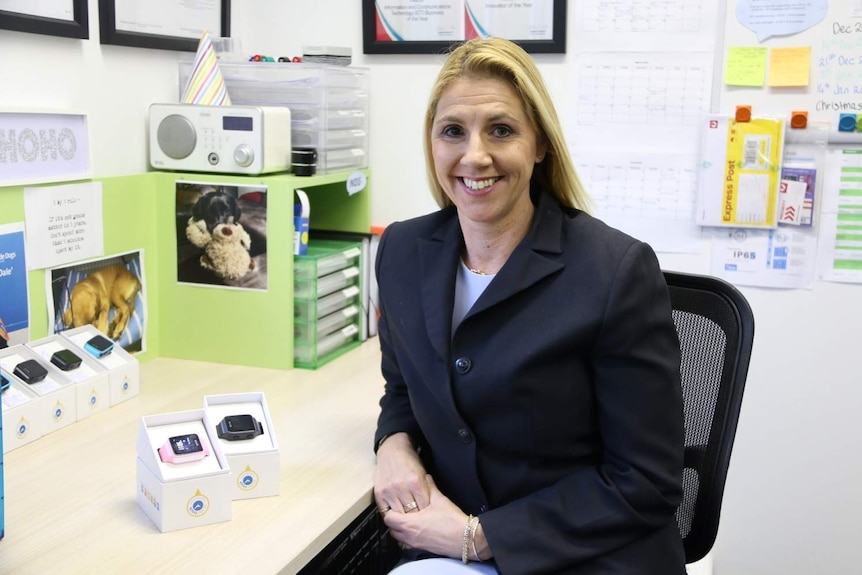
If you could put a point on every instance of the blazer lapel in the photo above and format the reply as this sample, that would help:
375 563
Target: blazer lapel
438 257
529 263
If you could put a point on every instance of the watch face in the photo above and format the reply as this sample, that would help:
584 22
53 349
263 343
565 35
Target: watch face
239 427
100 344
240 423
4 383
30 371
184 444
65 359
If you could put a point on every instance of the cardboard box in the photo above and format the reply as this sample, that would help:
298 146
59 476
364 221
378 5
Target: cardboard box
90 378
56 393
22 413
255 463
179 496
124 380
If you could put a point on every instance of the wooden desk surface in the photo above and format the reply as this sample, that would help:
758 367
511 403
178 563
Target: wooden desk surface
70 496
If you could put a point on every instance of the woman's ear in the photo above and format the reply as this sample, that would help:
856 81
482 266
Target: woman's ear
541 150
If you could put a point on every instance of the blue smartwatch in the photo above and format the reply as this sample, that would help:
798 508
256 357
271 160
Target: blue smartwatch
99 346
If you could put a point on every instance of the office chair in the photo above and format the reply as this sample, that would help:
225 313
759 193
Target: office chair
716 331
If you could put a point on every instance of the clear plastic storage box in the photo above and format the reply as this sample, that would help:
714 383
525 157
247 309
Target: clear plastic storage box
328 104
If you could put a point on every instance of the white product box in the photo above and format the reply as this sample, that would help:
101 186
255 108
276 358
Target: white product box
57 399
255 463
183 495
91 380
123 369
23 418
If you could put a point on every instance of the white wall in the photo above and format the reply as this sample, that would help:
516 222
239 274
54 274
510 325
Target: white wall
794 493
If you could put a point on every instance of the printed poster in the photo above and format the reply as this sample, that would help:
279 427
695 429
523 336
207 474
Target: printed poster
14 304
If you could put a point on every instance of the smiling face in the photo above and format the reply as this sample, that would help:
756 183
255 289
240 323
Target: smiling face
484 149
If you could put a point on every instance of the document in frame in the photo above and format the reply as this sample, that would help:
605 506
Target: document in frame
740 172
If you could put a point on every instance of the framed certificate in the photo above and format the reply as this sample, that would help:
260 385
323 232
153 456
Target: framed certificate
432 27
67 18
162 24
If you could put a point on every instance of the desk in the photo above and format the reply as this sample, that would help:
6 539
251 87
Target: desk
70 496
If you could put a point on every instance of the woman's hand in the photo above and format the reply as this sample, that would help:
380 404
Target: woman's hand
399 478
437 527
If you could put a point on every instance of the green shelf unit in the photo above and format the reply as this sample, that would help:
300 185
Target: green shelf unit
187 321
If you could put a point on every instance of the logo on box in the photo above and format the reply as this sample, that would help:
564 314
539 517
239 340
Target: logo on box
198 505
23 428
247 480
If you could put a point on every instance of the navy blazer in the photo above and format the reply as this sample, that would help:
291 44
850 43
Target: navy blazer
554 412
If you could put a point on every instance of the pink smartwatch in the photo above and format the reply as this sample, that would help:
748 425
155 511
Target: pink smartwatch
183 449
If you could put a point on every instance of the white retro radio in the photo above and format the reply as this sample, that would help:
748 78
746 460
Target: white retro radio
224 139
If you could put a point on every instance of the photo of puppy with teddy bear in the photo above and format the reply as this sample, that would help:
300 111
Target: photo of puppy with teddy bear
221 235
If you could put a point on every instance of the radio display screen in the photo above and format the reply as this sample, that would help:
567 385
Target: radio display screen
237 123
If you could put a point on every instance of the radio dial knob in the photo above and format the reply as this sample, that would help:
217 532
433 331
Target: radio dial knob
243 155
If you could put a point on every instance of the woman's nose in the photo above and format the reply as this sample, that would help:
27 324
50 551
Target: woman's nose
476 151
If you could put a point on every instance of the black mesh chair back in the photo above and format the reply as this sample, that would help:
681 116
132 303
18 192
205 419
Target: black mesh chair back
716 331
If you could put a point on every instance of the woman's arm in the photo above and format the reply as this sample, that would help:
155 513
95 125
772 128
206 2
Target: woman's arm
399 477
636 486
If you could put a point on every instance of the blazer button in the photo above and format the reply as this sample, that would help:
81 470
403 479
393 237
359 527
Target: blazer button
483 508
463 364
465 435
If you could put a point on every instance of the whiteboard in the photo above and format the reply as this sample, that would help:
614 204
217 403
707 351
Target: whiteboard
835 39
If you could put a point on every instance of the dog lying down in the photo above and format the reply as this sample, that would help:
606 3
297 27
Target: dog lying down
93 297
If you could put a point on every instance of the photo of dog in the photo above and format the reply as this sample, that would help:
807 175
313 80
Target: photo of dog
221 235
107 294
93 297
216 206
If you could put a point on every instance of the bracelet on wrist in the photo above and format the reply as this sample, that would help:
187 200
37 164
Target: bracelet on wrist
473 538
465 541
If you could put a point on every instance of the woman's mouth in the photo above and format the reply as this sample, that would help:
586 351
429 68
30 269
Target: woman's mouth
479 185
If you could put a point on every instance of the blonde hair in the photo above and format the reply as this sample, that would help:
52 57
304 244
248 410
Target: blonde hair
504 60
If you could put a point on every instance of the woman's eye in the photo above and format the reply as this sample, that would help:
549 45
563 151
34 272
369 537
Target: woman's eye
501 131
452 131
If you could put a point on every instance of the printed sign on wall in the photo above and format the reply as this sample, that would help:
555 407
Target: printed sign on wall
43 147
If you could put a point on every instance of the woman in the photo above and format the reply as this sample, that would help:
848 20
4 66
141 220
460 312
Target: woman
532 413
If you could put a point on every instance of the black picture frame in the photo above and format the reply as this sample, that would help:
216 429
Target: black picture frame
110 35
370 45
78 27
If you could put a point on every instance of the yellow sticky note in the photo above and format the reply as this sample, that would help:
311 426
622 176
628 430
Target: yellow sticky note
789 66
745 66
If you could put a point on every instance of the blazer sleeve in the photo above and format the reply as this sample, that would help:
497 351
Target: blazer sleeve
396 415
635 487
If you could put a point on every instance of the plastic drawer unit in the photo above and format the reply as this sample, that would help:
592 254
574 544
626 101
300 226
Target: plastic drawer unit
325 257
329 105
327 307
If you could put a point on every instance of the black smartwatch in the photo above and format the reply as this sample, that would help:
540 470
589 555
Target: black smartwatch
239 427
99 346
65 359
4 383
30 371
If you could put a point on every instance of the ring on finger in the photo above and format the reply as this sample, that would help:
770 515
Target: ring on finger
410 507
383 510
